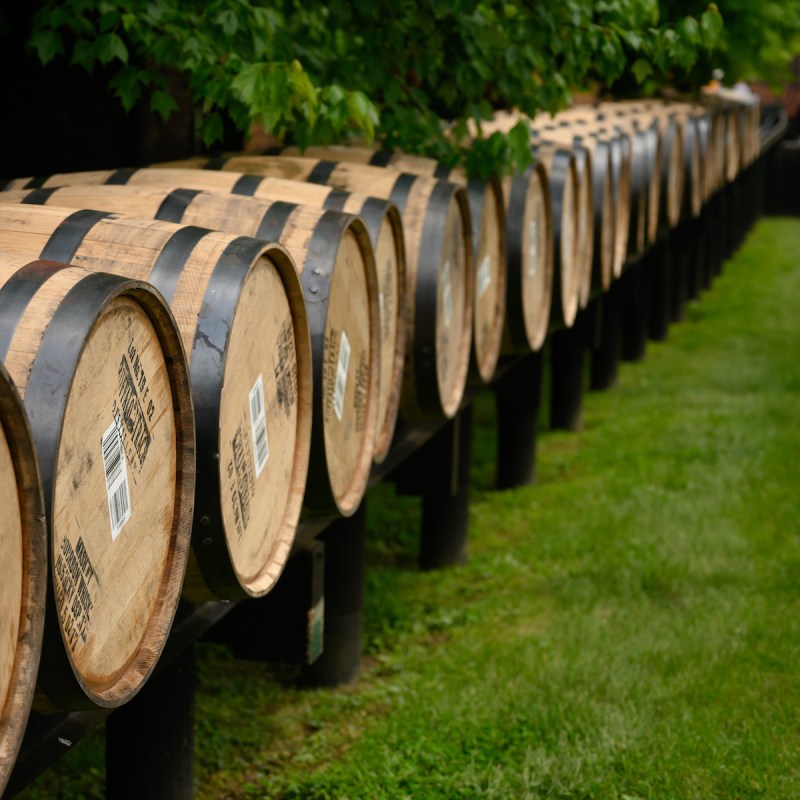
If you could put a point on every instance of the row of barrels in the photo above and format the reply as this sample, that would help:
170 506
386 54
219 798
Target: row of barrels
200 354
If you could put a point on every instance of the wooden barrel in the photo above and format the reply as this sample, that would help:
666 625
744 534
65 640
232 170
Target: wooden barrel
517 277
23 550
637 215
646 166
382 220
672 162
703 127
621 176
336 260
100 365
599 272
653 171
239 307
655 162
603 122
717 142
584 243
570 189
685 117
527 275
438 232
745 117
487 212
752 141
672 170
529 258
692 167
620 157
559 163
744 109
733 139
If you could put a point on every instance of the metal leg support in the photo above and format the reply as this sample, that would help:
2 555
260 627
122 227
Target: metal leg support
662 277
635 304
608 352
340 662
150 740
518 398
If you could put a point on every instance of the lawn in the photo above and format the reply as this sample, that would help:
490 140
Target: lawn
628 627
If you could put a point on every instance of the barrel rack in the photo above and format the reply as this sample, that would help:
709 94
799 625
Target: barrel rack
429 460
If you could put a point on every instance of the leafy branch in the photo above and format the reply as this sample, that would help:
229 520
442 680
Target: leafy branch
415 74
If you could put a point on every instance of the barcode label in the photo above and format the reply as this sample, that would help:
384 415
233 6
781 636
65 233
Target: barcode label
116 471
484 275
341 376
533 249
447 294
258 425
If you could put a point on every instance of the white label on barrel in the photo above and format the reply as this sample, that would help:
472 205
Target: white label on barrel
119 498
258 425
341 376
484 275
533 249
386 280
447 294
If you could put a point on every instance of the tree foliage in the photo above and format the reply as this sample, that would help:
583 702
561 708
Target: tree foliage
757 43
416 73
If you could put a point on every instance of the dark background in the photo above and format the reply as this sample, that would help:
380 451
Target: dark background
61 119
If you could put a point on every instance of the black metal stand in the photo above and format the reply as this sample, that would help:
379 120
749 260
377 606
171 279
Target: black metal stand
439 473
781 175
150 740
716 236
635 284
696 242
608 352
340 662
518 397
680 255
566 376
660 268
445 516
286 626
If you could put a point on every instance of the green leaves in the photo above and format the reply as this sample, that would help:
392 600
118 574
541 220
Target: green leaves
410 74
711 26
47 43
163 104
127 86
689 30
519 142
109 47
228 22
364 113
232 53
212 128
641 70
284 100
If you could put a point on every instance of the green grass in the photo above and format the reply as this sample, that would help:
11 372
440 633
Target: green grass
627 628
